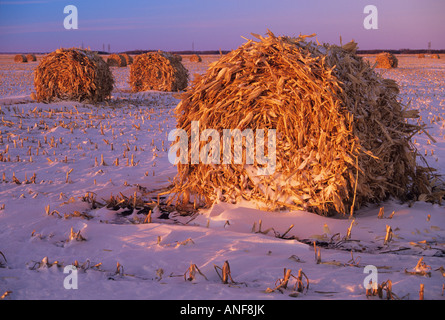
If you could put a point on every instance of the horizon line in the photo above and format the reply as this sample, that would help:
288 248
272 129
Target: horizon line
218 51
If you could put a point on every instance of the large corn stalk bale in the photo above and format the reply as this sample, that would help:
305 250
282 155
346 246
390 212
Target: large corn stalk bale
73 74
341 136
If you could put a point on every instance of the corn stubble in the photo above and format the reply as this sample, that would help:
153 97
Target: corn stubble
4 262
379 289
342 136
299 285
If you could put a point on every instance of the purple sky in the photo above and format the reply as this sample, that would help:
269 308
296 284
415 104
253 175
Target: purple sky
37 25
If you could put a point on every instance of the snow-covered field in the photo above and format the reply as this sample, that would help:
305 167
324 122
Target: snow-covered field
58 157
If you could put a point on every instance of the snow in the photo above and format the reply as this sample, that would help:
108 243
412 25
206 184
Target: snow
148 260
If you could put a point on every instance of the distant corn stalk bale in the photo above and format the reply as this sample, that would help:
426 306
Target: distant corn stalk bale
421 56
31 57
435 56
386 60
195 58
20 58
116 60
73 74
179 57
157 71
128 58
342 139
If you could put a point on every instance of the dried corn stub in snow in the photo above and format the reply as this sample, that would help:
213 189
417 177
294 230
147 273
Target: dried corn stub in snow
342 138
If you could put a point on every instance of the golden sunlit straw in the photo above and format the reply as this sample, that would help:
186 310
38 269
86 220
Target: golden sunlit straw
20 58
72 74
116 60
195 58
31 57
386 60
158 71
128 58
329 107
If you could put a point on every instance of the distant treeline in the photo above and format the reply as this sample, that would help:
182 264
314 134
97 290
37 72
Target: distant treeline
136 52
401 51
185 52
373 51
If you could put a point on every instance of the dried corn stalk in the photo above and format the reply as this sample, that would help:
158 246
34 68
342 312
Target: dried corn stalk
5 294
225 275
76 236
349 231
2 264
421 268
388 236
381 213
378 290
44 263
342 138
192 270
299 286
282 283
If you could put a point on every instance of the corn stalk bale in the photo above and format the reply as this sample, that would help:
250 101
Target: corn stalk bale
435 56
386 60
73 74
195 58
157 71
420 55
116 60
20 58
342 139
31 57
128 58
